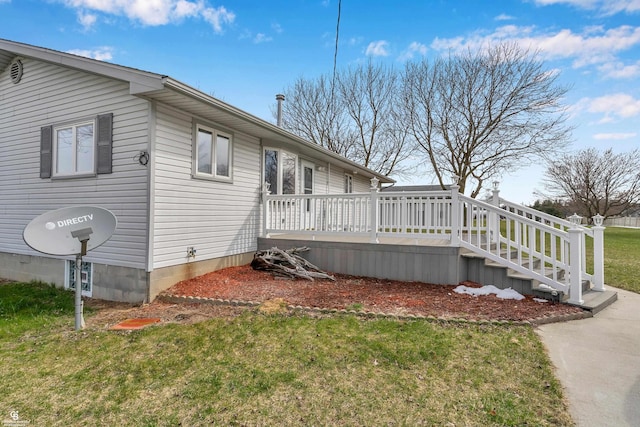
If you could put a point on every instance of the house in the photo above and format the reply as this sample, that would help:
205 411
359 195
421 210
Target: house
182 171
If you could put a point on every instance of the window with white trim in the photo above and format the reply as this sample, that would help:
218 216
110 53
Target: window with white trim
74 149
348 183
280 171
212 153
78 149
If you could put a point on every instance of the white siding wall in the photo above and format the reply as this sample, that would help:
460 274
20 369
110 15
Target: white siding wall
361 184
216 218
48 95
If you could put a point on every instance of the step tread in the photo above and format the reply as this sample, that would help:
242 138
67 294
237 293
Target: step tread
596 301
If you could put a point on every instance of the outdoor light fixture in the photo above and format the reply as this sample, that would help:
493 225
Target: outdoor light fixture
597 220
575 219
374 183
496 184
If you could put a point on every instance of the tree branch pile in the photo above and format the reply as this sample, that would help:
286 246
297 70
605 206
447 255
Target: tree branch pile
288 263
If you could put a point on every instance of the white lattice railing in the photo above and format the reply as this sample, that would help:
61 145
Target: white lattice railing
543 247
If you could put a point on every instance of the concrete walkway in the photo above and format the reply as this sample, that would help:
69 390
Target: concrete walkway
597 361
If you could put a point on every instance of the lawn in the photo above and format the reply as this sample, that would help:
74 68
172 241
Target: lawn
258 369
622 258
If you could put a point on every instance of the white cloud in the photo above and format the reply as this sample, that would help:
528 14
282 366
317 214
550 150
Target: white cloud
157 12
612 107
87 20
593 46
277 28
607 7
261 38
104 53
379 48
218 17
614 136
618 70
413 49
354 41
504 17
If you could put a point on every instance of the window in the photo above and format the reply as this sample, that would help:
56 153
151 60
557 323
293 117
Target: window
77 149
280 171
86 277
73 149
212 153
348 184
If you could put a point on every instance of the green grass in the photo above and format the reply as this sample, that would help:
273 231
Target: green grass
29 307
259 369
622 258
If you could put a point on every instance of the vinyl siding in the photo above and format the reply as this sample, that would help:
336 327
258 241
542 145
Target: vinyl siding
50 95
216 218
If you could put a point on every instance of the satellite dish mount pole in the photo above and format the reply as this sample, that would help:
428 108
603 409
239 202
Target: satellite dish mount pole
83 236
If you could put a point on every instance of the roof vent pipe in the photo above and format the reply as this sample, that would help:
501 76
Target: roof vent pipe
279 98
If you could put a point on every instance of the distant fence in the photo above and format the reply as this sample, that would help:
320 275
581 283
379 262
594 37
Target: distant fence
629 221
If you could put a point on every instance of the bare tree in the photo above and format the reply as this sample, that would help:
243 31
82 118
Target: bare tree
481 114
356 118
313 112
594 182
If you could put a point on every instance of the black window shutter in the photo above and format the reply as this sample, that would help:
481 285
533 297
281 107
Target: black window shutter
105 137
46 145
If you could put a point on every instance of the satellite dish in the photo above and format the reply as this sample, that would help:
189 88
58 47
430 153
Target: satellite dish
61 231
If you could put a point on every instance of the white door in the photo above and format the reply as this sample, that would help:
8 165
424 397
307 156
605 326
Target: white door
308 170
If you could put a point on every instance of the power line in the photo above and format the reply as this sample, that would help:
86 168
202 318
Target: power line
335 52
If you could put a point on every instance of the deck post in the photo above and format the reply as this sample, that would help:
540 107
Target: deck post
374 210
575 267
455 214
495 221
265 208
598 254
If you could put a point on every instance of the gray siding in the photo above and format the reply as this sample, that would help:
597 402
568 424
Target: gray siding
50 95
216 218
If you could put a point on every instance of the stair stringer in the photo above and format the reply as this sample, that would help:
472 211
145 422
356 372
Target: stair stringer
507 264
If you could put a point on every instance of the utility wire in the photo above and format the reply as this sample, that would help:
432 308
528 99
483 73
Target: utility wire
335 53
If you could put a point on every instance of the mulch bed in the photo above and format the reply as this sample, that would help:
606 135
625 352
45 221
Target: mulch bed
361 294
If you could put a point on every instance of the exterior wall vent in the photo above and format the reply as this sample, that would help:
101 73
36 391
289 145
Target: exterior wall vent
16 71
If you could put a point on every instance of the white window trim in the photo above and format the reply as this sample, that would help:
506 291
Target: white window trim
213 176
296 172
348 178
54 149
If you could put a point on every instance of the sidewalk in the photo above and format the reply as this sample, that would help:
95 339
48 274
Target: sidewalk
597 361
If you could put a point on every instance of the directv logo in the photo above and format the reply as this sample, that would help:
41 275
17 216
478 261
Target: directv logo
67 222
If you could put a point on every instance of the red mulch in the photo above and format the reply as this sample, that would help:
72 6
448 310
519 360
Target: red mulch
366 294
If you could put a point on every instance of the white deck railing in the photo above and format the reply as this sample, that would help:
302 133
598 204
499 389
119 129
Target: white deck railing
545 248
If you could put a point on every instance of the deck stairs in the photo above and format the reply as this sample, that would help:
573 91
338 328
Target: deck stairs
489 272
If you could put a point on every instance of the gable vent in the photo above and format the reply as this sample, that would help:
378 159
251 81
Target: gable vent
16 71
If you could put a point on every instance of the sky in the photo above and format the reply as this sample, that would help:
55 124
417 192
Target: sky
245 52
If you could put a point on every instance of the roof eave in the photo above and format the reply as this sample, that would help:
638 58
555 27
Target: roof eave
139 81
196 94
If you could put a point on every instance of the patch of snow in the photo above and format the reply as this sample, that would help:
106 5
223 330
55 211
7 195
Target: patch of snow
540 300
490 289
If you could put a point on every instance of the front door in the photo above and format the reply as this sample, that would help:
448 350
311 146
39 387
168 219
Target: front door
307 188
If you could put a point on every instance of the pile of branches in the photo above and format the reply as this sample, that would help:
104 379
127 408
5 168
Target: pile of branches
288 263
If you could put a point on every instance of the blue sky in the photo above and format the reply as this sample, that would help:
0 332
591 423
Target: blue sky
244 52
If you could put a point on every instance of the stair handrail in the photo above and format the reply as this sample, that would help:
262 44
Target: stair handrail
550 219
490 225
